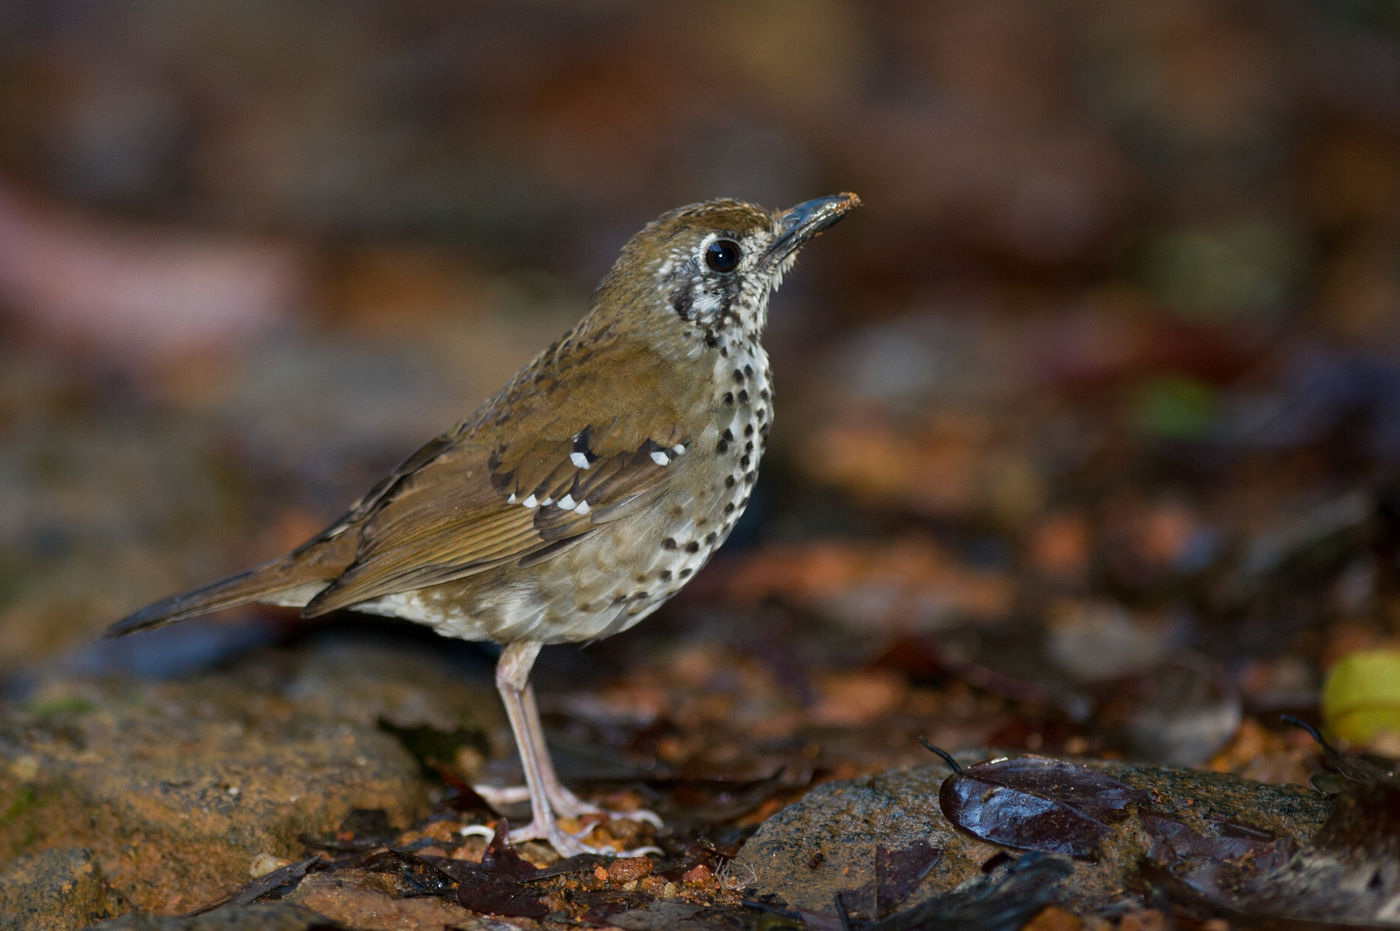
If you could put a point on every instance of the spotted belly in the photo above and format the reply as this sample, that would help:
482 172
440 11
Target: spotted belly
621 572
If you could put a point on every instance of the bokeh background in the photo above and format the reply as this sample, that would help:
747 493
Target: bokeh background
1111 351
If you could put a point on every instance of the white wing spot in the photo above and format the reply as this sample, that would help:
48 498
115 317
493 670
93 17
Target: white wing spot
660 458
531 502
566 503
678 449
546 502
512 499
579 459
583 508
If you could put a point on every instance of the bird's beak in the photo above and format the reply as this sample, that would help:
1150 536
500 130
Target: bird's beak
798 224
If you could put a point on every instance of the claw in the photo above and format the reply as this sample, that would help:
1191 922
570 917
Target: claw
564 803
571 845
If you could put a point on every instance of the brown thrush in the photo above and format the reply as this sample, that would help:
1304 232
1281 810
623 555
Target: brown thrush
587 491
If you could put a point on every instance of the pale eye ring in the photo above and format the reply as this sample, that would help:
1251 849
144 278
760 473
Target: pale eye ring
723 255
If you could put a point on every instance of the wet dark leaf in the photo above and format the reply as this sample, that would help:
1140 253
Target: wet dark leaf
898 871
1038 803
1346 770
1002 902
1349 876
413 875
496 886
501 859
1367 819
1226 852
501 898
284 878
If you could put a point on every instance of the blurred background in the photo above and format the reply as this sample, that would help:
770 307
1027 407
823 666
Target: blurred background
1112 353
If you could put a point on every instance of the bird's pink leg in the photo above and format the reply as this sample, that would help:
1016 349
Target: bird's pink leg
548 796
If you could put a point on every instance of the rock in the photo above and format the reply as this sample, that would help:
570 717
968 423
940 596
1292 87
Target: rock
872 839
277 917
170 791
60 887
826 843
366 901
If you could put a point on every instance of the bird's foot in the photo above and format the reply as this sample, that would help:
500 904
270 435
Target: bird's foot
570 845
563 802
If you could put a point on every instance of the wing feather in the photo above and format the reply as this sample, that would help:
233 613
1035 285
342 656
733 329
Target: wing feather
465 511
459 505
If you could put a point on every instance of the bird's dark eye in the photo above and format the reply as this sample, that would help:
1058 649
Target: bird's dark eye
723 255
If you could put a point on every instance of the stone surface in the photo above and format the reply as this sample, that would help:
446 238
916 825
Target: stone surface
161 796
368 902
276 917
145 801
59 887
826 843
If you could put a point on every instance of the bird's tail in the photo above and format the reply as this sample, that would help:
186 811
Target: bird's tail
272 583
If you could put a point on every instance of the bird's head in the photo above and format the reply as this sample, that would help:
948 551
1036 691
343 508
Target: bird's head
701 275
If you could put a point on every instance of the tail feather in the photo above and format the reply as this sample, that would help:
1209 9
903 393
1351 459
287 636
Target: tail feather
263 583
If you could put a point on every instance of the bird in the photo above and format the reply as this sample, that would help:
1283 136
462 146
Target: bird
581 496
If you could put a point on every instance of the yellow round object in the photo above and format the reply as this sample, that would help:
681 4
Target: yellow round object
1361 698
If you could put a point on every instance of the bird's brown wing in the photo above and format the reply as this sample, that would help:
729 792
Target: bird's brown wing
458 507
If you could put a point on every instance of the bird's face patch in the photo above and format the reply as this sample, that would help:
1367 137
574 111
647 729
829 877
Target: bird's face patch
712 267
712 273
